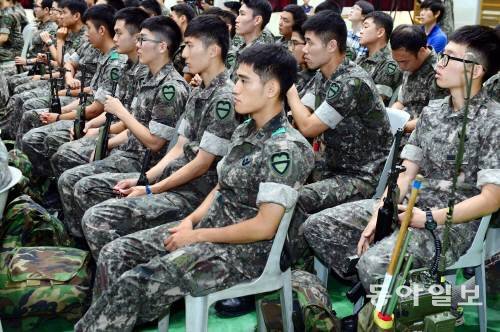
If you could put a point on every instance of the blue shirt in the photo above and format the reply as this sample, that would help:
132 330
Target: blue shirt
436 38
353 42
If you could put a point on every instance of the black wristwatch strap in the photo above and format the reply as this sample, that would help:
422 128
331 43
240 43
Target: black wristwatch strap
430 223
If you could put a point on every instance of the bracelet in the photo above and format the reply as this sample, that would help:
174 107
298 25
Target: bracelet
148 190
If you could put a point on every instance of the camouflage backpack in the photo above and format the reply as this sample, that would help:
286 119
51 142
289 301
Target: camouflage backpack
312 308
44 282
27 224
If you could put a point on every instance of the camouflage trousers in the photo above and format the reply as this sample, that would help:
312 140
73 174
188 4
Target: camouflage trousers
318 196
137 279
72 154
4 91
333 235
84 186
26 85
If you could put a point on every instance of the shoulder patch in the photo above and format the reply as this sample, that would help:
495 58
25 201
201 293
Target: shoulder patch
230 59
223 108
333 90
114 55
168 92
280 162
391 68
278 131
114 74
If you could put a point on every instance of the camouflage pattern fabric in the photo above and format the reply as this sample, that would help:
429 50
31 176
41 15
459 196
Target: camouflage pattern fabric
44 281
4 92
10 26
208 123
262 165
384 71
178 61
492 86
418 88
37 45
27 224
447 23
5 176
304 77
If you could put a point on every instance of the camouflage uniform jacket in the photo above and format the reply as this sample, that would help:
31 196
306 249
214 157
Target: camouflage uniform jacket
434 143
10 26
283 42
37 45
78 50
303 78
383 70
131 79
158 105
20 14
102 80
492 86
179 61
418 88
266 165
239 45
358 139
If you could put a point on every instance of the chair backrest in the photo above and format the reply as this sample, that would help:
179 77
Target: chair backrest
28 31
273 261
4 192
397 119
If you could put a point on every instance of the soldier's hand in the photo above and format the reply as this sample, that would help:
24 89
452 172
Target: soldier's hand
292 92
62 33
47 117
134 191
91 132
180 236
367 236
196 80
417 218
124 185
45 37
112 105
20 60
36 77
74 83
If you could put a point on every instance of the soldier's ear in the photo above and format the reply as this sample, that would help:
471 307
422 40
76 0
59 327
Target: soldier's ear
331 46
213 51
478 72
272 88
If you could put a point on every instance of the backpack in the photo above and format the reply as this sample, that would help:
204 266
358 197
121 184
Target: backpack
312 308
27 224
45 282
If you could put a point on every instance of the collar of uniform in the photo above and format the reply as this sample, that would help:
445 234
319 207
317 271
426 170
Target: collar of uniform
110 55
219 80
158 78
428 63
477 102
376 57
341 69
251 134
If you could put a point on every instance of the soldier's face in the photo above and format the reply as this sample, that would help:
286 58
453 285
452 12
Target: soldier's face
406 60
150 47
67 19
286 23
369 32
355 14
297 47
245 22
196 54
94 34
452 75
55 13
316 53
248 91
124 41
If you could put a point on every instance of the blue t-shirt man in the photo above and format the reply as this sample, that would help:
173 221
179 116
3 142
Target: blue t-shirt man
436 38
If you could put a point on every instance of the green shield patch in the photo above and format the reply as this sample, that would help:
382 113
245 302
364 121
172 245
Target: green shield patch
223 108
168 92
391 68
333 90
114 74
230 59
280 162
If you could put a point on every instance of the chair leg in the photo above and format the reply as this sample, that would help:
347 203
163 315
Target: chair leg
321 271
481 309
261 324
286 299
196 314
162 323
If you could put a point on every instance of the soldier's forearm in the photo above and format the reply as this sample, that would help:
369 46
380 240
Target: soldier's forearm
177 151
202 210
93 110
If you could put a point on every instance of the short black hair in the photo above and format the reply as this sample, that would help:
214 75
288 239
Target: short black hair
184 9
167 29
74 6
271 61
382 20
260 8
299 16
328 5
101 15
483 42
328 25
410 37
116 4
435 6
298 28
133 18
234 6
210 29
366 7
46 4
131 3
151 6
226 15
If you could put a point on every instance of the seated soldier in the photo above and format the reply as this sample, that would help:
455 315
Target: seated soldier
227 239
41 143
187 173
150 122
305 76
431 151
80 152
378 62
343 113
11 40
417 62
182 14
290 16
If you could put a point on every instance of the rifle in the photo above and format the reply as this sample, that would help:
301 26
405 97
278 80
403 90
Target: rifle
79 123
55 103
101 148
388 213
143 179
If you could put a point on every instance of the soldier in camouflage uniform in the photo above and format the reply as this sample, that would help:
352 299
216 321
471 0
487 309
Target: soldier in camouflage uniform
292 15
182 14
207 125
304 74
266 163
417 62
447 23
492 86
127 28
343 112
10 31
41 143
155 112
251 12
431 151
378 62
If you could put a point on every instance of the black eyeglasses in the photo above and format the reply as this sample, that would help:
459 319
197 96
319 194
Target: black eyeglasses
141 39
444 58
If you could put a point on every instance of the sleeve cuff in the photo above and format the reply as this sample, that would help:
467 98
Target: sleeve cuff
384 90
412 152
182 127
214 144
328 115
162 130
278 193
309 100
5 31
488 176
100 95
74 58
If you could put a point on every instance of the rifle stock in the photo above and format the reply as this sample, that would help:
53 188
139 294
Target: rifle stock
79 123
143 179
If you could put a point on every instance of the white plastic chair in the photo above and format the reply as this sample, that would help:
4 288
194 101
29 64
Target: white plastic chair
397 120
272 279
484 246
28 31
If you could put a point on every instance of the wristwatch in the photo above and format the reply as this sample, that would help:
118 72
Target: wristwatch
430 223
49 42
68 92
